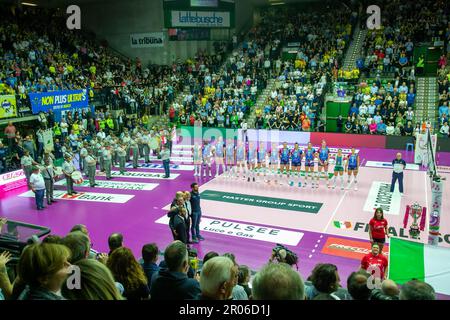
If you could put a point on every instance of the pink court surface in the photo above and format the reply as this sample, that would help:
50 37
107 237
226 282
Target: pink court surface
245 218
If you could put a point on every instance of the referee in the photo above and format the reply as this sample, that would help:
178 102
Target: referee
399 165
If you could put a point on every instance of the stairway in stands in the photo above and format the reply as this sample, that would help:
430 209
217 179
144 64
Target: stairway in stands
260 102
354 50
427 99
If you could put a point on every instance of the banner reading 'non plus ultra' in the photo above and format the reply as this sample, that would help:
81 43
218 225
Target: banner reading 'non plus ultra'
59 100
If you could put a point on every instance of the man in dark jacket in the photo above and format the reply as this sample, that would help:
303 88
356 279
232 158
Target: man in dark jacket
179 226
173 283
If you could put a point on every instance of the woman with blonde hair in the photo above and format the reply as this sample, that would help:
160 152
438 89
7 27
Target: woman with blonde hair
43 268
97 283
127 271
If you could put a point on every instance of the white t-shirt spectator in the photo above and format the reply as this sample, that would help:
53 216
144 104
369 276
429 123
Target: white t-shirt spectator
64 127
390 130
444 129
37 181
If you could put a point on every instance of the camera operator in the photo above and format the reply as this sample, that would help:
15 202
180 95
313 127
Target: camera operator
281 254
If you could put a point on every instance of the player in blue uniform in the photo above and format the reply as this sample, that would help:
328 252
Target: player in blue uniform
219 153
310 154
274 160
296 163
262 153
252 161
352 169
285 155
230 155
206 156
324 155
339 169
240 159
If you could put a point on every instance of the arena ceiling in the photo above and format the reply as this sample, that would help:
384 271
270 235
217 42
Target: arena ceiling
65 3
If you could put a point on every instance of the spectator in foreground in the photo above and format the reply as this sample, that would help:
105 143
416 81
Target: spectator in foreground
127 271
238 291
417 290
278 281
389 291
325 281
244 279
79 245
115 241
173 283
357 285
148 263
97 283
217 279
43 268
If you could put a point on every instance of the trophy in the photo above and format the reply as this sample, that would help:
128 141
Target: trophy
416 212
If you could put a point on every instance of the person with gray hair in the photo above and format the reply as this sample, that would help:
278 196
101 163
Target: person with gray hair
278 281
79 244
217 279
417 290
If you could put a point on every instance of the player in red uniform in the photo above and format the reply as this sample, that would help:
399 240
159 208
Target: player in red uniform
375 262
378 229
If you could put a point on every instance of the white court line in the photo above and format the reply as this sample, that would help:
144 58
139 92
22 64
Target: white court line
335 211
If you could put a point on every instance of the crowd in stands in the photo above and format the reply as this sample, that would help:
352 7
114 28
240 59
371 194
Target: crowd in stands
67 268
444 96
297 98
381 107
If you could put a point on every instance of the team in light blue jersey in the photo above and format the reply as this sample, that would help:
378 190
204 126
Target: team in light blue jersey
218 150
262 159
230 155
207 157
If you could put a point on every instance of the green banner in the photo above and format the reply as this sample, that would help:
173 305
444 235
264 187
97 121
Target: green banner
266 202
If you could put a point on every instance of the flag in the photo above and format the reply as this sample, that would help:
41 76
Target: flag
342 224
408 260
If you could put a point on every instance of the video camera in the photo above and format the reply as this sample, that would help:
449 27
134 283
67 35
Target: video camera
282 254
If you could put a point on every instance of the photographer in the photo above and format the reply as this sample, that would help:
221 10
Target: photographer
281 254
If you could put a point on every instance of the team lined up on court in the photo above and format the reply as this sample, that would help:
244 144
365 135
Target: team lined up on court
253 163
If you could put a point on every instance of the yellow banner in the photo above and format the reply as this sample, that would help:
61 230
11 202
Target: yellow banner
8 107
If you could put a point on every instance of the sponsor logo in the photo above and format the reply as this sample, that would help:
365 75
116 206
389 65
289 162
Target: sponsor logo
380 196
87 196
342 224
345 248
247 231
200 19
379 164
141 175
266 202
12 176
120 185
147 40
12 180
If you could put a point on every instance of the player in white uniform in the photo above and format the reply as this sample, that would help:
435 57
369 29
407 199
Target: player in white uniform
273 162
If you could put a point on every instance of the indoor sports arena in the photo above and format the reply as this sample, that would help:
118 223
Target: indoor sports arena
204 149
